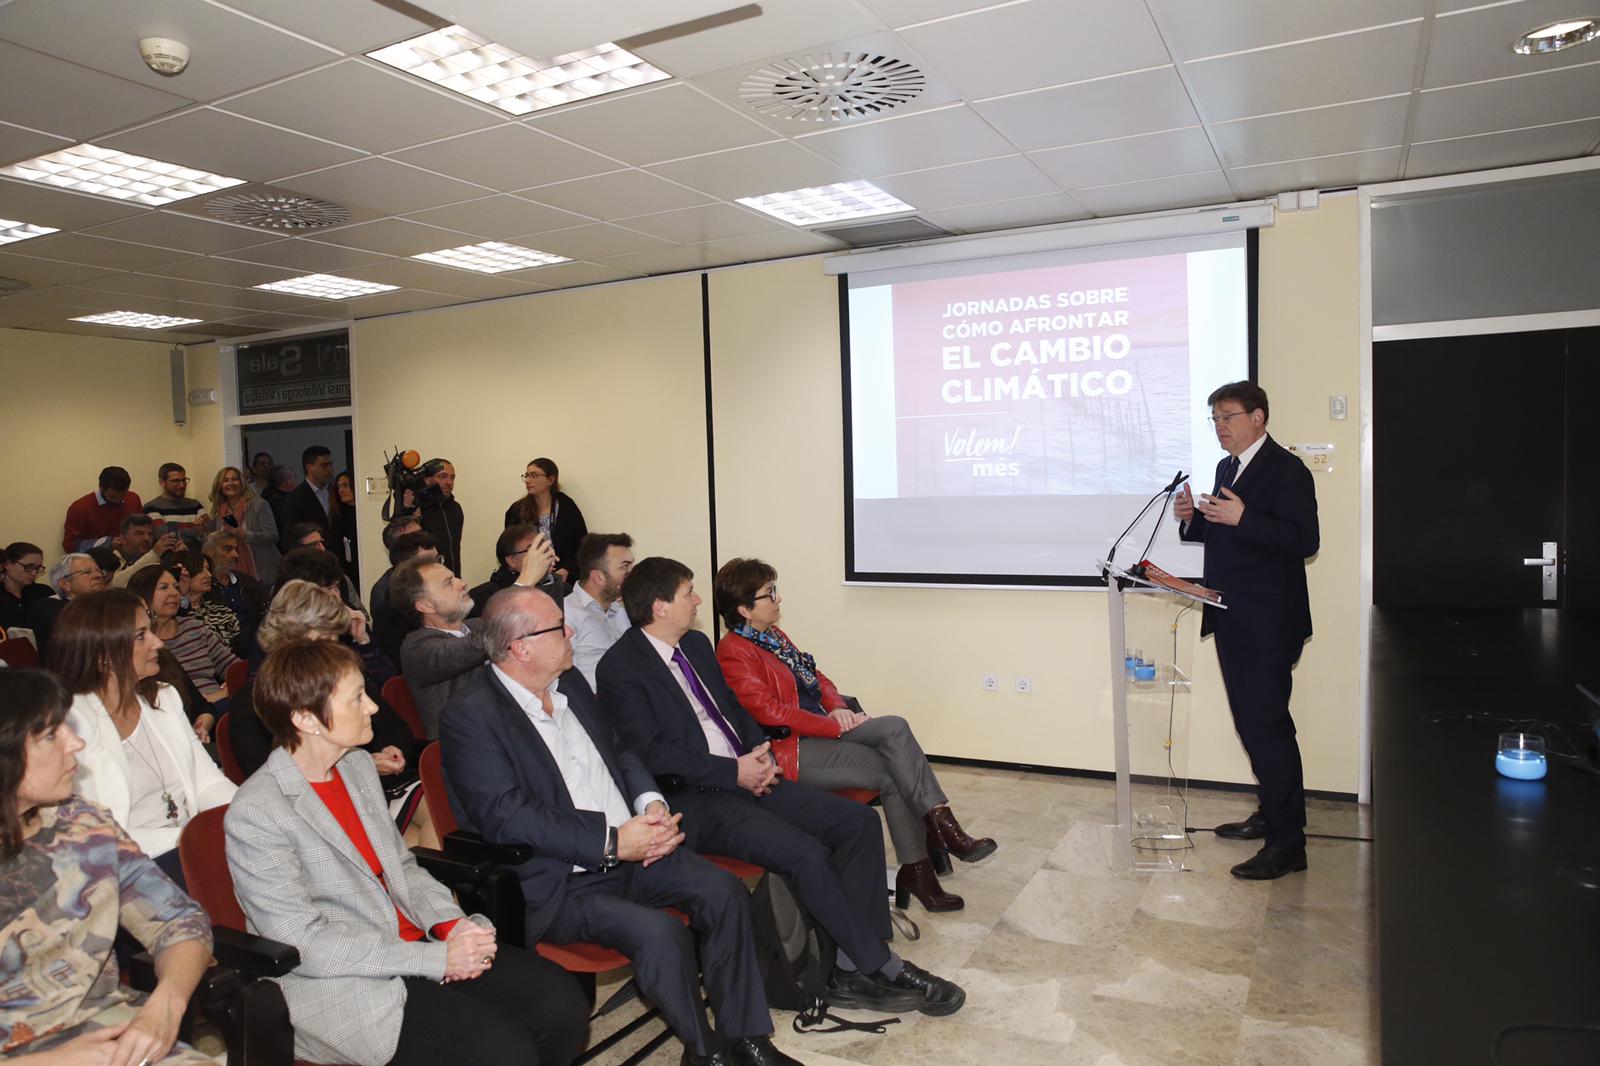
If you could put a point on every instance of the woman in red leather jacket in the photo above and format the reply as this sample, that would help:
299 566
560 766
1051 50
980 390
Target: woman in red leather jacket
832 745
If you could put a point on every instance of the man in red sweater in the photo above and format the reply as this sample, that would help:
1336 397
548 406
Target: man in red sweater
93 521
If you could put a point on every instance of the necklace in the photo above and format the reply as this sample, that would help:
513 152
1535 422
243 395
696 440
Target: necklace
153 763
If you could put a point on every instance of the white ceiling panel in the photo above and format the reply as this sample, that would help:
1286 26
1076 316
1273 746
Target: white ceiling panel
42 272
1148 155
697 224
15 315
305 256
1328 172
220 271
612 196
915 142
1322 131
228 52
1508 104
200 292
968 183
1220 26
168 229
379 110
385 186
508 157
1330 70
276 320
1475 45
776 167
1562 140
227 144
42 205
74 296
396 236
668 260
597 242
567 275
652 125
562 28
908 12
773 245
95 251
781 26
347 25
54 96
1007 214
18 143
1185 190
1013 47
414 274
500 217
380 303
1146 102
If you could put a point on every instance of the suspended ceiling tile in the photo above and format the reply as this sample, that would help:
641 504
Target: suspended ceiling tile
1148 155
899 13
1327 172
764 168
1563 140
616 195
306 256
89 301
670 260
42 205
51 95
42 272
1318 132
1009 214
276 320
1146 102
17 315
508 157
597 242
95 251
1186 190
562 28
227 144
500 217
384 186
200 292
1012 47
228 52
1508 104
376 109
18 143
711 222
345 25
380 303
652 125
756 246
913 142
220 271
396 236
415 274
168 229
568 275
780 24
1330 70
1198 30
968 183
1475 45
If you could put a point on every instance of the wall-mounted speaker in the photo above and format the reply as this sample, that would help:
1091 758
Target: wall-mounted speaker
180 387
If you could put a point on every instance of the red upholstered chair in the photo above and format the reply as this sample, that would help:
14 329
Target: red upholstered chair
235 678
223 735
860 795
19 652
398 693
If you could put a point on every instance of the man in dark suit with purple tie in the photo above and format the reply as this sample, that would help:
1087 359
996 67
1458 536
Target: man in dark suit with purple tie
1259 526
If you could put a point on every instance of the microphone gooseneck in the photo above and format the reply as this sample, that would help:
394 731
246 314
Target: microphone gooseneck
1179 479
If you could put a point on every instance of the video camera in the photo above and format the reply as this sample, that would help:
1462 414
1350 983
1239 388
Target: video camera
406 472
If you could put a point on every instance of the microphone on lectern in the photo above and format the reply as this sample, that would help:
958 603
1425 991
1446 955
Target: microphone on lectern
1178 479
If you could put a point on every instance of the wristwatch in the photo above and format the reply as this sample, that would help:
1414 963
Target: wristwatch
608 858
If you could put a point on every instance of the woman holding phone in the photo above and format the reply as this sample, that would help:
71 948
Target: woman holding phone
237 508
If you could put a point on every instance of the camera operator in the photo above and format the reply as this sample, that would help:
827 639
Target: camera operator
435 506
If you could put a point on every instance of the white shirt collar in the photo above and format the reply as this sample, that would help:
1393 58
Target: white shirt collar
663 649
1249 454
526 698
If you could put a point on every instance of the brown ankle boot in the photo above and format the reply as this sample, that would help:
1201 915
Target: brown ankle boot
918 879
943 827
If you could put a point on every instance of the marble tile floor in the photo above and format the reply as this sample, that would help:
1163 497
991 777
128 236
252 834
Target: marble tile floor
1066 963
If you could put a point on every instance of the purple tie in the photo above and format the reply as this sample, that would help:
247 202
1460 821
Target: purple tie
707 704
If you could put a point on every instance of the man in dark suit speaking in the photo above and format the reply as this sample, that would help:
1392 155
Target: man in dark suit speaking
1259 526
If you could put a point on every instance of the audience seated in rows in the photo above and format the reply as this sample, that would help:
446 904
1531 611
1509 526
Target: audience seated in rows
511 548
71 576
202 654
175 510
670 704
72 877
141 759
23 563
390 624
529 760
831 745
137 546
594 607
240 510
545 507
243 594
310 560
442 651
95 520
391 970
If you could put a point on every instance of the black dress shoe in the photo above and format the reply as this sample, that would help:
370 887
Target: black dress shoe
757 1051
939 997
716 1058
854 990
1271 863
1252 828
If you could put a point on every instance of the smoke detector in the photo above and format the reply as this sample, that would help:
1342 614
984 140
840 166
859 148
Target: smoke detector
832 86
289 212
163 55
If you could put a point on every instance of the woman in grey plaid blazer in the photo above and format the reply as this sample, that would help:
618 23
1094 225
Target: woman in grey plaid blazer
391 971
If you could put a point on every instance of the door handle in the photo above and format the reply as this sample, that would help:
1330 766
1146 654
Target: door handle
1549 565
1538 562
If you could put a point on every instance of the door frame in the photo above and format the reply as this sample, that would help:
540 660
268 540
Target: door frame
1367 196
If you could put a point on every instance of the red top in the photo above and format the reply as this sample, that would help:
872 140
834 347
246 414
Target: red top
767 689
337 799
89 520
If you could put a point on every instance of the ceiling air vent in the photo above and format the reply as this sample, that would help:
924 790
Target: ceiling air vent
832 86
890 231
287 212
11 285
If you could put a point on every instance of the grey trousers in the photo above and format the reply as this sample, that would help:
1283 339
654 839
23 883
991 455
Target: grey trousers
880 754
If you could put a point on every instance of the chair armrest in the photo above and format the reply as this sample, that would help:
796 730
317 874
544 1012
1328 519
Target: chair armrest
470 847
852 703
452 870
670 783
252 956
777 732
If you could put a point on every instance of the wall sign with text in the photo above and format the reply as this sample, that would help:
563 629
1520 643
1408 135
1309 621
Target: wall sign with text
295 374
1317 457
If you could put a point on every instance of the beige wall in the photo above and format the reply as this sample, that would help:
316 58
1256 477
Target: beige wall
75 405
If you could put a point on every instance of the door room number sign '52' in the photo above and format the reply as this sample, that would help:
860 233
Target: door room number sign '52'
1317 457
295 374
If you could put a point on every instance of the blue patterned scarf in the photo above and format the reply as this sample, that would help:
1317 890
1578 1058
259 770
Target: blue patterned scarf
801 664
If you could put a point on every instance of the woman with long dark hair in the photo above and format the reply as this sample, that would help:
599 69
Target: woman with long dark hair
69 877
550 511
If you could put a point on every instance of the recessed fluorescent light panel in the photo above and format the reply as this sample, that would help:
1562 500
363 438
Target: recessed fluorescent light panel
1568 33
134 318
326 287
492 257
463 62
87 168
828 203
20 231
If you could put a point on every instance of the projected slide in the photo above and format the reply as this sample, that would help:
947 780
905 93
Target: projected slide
1010 420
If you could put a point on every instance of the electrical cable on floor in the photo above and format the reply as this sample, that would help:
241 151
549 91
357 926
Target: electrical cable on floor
1547 729
1309 836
